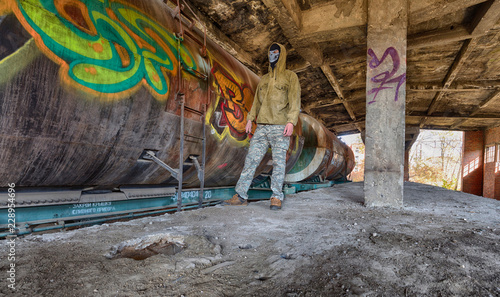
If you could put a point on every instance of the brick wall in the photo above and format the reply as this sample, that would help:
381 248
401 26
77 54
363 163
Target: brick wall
491 180
472 163
480 178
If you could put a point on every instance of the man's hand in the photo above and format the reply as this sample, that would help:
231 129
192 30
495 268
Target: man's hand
288 129
248 127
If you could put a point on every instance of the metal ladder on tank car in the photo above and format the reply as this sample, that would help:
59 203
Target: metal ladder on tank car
200 168
193 159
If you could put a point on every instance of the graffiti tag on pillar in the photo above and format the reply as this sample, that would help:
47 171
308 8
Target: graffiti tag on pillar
386 77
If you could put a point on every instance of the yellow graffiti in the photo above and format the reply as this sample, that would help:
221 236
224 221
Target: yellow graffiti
233 102
105 48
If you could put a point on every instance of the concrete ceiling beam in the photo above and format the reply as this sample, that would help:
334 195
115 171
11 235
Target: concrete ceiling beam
411 135
298 65
487 16
222 40
314 115
310 52
294 11
493 97
327 70
457 86
438 9
282 15
325 102
354 125
430 90
450 116
324 21
438 37
334 16
416 41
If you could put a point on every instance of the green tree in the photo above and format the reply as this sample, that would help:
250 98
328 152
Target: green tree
435 158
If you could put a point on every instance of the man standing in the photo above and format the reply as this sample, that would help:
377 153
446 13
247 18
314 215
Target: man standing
275 109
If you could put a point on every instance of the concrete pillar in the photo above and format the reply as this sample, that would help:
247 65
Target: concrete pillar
411 135
406 176
385 102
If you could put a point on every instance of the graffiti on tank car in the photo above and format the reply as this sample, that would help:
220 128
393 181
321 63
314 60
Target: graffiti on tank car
232 105
385 77
222 165
108 49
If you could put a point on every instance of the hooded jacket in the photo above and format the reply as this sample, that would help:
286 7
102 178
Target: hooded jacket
277 97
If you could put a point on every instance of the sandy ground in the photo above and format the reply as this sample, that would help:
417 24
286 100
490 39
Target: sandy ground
323 243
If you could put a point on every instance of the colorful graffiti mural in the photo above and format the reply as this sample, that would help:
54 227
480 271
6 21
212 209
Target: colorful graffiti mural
68 89
106 48
232 105
386 76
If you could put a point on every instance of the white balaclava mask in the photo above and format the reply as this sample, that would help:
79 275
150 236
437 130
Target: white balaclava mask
274 54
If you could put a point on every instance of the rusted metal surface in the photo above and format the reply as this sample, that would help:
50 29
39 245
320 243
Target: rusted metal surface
78 114
323 154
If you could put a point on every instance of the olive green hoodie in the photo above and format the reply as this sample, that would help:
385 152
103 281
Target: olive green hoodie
277 97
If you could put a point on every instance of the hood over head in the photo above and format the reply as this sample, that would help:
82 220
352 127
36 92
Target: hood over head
281 64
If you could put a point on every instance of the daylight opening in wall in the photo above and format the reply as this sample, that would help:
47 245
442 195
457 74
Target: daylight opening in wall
436 158
489 154
358 148
497 156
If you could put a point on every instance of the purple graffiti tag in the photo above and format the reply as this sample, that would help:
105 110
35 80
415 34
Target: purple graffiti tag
385 77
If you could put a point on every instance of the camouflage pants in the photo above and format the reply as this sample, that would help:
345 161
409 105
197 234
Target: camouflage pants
264 136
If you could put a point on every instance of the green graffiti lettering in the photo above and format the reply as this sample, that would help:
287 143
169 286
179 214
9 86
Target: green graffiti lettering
102 46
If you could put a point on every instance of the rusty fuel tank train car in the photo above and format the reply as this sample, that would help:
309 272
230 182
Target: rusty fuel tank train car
106 101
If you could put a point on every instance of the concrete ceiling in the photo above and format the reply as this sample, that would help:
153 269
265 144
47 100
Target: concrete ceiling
453 58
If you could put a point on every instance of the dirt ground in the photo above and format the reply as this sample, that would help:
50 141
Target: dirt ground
322 243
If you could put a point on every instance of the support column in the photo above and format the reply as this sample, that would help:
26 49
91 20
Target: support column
411 135
407 165
385 102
